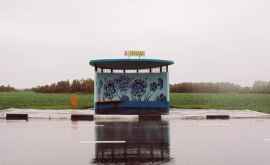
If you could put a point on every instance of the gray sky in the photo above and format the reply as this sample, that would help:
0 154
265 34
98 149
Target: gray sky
42 41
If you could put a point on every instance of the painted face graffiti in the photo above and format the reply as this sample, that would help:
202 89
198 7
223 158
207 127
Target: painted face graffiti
153 86
109 90
138 88
122 82
160 83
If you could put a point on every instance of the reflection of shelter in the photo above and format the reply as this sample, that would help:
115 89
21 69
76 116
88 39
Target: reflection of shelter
144 142
131 86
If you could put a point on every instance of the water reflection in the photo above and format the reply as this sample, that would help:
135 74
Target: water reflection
130 142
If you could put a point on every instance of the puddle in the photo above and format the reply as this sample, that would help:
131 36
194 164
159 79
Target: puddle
179 142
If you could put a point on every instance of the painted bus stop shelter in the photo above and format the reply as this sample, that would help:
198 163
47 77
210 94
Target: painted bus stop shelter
131 86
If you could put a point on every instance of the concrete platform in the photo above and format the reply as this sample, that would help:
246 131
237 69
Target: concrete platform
202 113
184 114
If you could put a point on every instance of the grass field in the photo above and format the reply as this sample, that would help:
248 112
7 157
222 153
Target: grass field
258 102
42 101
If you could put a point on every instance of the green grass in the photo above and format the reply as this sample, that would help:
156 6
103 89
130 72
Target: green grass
42 101
258 102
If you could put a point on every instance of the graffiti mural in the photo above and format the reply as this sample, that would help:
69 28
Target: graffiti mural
131 86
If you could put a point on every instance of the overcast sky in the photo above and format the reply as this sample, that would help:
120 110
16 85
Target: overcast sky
43 41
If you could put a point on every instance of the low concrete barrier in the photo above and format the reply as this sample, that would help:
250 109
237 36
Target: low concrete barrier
149 117
13 116
213 117
82 117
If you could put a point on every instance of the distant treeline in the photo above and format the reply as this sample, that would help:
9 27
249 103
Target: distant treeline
82 86
261 87
87 86
189 87
6 88
258 87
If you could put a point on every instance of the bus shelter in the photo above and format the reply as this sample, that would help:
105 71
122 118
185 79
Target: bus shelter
131 86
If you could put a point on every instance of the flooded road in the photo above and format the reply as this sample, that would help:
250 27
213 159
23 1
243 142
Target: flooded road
180 142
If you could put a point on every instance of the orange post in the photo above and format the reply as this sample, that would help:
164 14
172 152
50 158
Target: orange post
74 101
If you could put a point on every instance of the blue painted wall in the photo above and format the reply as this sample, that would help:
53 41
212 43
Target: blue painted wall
138 87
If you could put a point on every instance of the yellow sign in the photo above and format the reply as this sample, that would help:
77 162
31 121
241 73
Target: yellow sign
137 53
